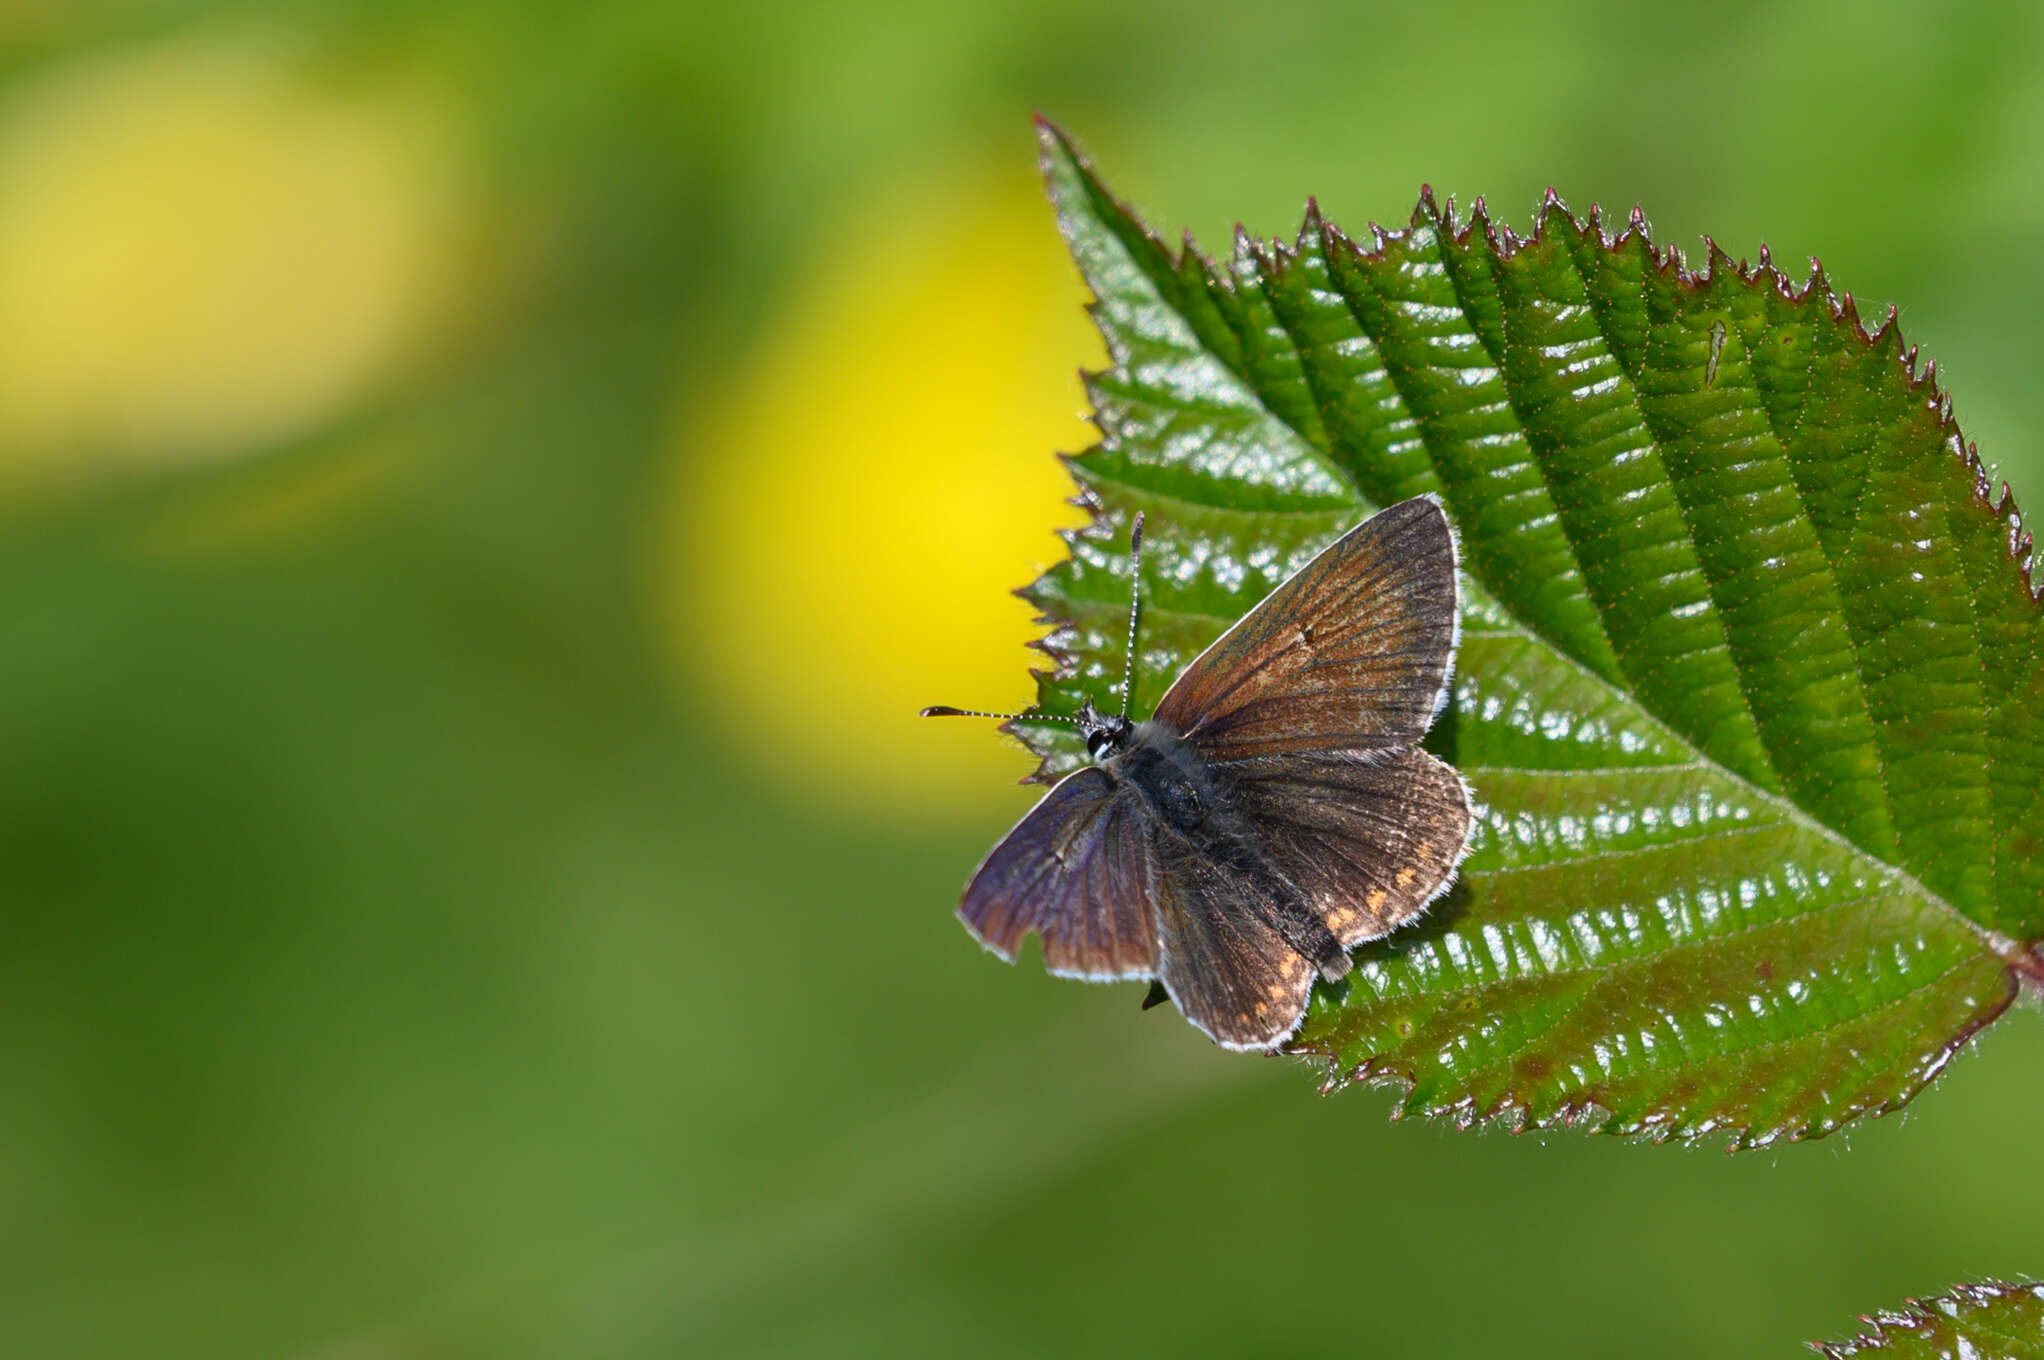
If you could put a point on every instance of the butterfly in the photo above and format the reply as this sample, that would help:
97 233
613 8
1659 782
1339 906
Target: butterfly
1274 812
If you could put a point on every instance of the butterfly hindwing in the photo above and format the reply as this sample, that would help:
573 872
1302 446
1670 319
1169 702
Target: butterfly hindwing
1352 651
1368 837
1221 950
1078 872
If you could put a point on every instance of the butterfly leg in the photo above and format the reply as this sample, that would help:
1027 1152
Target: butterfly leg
1158 995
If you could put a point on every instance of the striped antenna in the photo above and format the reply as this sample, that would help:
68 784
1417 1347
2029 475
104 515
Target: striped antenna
1135 598
1128 669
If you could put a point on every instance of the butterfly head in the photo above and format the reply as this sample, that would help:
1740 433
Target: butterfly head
1105 736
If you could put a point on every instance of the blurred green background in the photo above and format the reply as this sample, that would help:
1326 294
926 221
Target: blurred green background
483 488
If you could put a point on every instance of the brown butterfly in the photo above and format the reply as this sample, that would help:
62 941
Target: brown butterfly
1274 812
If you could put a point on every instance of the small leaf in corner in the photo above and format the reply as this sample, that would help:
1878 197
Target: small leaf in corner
1990 1321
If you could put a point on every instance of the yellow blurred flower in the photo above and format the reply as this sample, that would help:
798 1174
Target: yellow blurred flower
847 526
203 252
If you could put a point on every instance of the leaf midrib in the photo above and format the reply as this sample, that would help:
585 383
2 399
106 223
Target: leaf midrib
1790 811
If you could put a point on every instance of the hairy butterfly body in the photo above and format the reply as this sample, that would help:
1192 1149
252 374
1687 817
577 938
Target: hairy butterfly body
1274 812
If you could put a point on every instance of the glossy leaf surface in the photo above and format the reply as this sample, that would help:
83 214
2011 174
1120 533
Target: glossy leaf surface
1747 694
1990 1321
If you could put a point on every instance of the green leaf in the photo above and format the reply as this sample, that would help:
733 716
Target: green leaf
1747 694
1990 1321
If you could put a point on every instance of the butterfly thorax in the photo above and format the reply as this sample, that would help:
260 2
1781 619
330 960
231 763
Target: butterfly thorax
1172 779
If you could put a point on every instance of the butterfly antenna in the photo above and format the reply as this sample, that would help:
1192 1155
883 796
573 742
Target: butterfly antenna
1135 599
946 711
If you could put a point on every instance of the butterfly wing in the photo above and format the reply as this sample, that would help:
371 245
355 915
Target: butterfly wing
1078 872
1221 953
1368 837
1353 650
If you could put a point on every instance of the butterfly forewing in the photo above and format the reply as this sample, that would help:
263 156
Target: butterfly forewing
1076 871
1352 651
1368 837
